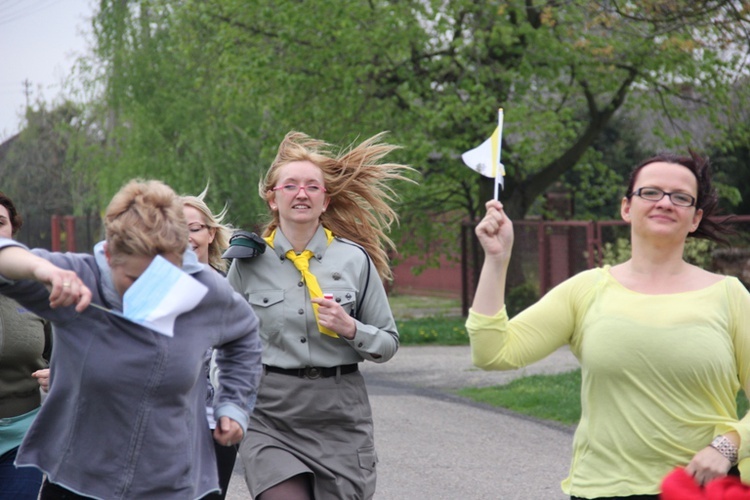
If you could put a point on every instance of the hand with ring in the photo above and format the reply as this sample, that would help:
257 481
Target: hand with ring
228 432
66 288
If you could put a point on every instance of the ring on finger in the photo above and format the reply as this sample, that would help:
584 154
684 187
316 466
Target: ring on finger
66 284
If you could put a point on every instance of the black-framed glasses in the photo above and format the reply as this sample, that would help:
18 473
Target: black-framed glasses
656 194
293 189
196 228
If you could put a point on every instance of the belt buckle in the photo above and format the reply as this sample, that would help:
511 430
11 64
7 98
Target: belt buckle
313 372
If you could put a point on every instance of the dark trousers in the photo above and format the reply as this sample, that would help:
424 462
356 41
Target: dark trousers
51 491
18 483
225 458
631 497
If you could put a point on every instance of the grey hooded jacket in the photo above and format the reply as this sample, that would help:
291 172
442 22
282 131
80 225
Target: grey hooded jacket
125 417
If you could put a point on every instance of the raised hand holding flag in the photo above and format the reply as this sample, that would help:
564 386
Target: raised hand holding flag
485 158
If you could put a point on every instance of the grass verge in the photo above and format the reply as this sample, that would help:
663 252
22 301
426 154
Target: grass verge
548 397
428 320
433 331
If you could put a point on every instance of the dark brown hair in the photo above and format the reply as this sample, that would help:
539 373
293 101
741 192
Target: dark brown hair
16 221
707 200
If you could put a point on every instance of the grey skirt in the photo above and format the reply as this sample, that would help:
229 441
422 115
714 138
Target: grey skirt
319 427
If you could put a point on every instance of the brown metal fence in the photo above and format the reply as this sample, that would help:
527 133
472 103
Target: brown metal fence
546 253
64 233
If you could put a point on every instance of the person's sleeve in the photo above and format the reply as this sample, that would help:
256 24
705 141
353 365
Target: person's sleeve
498 343
6 243
238 360
34 295
376 338
739 324
234 276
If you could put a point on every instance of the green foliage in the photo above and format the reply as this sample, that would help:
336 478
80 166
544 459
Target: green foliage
697 252
522 296
598 180
731 162
615 253
200 91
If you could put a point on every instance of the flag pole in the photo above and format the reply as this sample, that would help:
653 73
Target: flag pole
498 167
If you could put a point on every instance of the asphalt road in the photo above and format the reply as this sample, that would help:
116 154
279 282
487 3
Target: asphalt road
433 444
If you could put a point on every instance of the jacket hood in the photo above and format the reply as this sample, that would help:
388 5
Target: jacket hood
190 265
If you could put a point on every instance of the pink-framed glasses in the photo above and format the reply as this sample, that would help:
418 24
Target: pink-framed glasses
294 189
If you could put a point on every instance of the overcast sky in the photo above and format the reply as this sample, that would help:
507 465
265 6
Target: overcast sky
39 42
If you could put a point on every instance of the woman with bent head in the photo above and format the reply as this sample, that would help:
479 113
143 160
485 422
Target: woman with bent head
125 415
318 292
664 345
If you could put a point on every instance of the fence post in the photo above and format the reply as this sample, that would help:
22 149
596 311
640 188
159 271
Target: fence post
55 233
543 268
464 272
70 232
591 244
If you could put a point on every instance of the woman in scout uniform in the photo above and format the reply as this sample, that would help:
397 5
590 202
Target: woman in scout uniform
311 435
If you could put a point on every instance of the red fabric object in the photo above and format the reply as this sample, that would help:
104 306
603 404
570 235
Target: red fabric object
679 485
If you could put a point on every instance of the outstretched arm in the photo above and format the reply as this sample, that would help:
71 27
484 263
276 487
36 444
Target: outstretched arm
65 287
495 234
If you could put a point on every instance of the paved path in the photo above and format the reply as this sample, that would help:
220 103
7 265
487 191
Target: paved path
435 445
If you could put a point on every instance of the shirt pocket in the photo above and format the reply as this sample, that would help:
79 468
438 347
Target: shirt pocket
269 307
346 298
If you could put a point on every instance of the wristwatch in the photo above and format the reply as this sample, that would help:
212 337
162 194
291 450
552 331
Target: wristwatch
726 448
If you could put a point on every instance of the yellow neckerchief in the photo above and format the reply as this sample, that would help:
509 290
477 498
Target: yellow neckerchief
269 239
302 263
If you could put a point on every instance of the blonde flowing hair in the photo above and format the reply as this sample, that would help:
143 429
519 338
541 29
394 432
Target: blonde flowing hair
357 186
222 232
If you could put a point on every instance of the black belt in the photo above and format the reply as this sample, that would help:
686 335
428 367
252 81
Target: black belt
313 372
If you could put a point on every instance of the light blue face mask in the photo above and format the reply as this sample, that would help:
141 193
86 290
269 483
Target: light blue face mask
159 295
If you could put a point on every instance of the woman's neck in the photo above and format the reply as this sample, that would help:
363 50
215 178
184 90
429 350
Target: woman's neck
665 259
299 235
657 270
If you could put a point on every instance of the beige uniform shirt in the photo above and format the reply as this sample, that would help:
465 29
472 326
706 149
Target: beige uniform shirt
275 290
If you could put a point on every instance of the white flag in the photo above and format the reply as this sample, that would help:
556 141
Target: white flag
160 294
485 158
